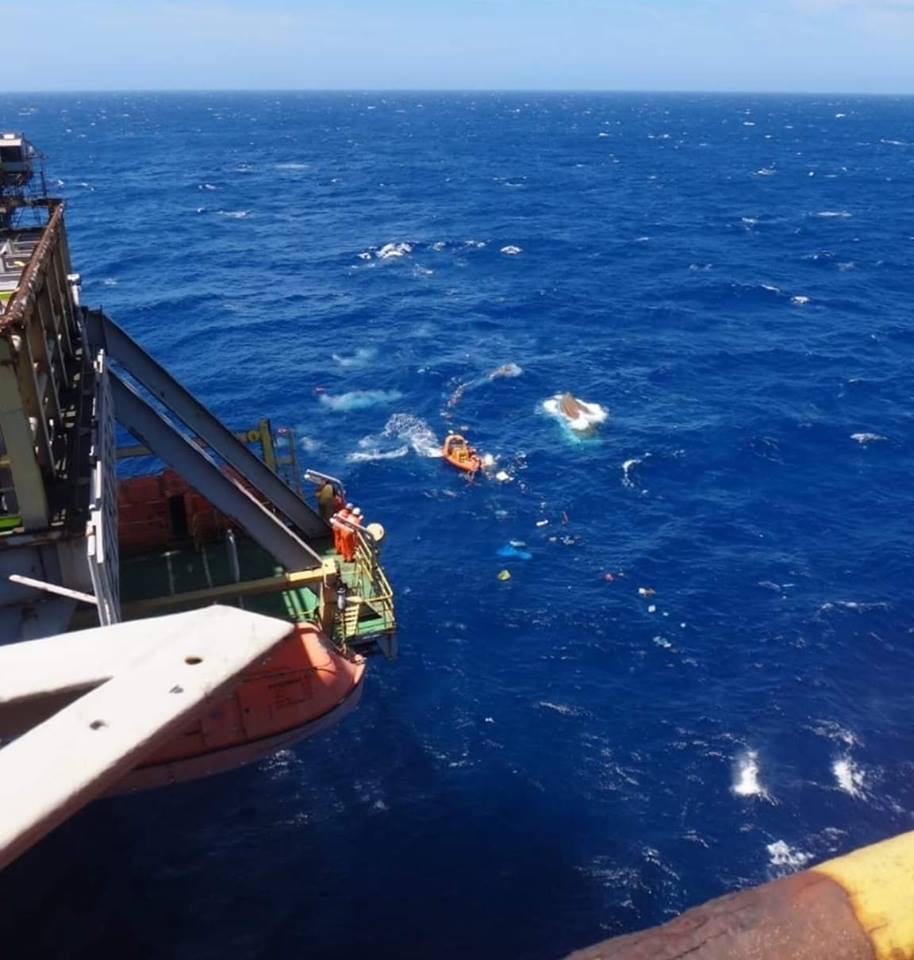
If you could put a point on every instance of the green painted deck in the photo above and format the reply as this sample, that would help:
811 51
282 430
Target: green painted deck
185 567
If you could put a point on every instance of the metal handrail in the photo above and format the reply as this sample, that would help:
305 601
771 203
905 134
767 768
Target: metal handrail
367 565
315 475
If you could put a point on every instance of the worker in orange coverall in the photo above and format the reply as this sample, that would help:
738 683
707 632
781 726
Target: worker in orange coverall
344 514
348 536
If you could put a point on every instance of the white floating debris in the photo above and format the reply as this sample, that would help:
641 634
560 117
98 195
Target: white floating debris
864 438
542 523
511 250
799 300
390 250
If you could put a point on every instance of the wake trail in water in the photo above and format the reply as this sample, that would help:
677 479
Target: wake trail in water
402 433
506 371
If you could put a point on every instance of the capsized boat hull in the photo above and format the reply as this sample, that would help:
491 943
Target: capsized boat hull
579 416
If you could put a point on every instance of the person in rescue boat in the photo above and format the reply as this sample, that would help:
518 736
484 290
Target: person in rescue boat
326 496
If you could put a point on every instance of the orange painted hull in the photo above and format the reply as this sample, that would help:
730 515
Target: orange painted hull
469 463
470 466
301 688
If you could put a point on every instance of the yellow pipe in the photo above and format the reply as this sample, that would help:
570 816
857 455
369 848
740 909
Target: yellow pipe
879 880
857 907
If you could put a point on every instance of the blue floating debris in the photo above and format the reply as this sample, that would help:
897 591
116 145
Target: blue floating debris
511 551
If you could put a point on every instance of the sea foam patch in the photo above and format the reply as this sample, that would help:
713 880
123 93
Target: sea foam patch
746 782
359 399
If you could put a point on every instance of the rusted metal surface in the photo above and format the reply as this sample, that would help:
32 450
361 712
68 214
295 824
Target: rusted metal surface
31 280
856 907
808 916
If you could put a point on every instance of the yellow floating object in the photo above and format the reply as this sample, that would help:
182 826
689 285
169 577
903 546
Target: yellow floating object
504 575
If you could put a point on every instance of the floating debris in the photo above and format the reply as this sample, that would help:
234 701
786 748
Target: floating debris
504 574
514 552
646 591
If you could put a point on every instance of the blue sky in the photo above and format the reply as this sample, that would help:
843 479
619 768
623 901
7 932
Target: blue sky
778 45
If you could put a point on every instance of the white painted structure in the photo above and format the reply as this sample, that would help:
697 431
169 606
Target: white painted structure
120 692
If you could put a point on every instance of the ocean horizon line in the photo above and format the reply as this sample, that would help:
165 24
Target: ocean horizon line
422 91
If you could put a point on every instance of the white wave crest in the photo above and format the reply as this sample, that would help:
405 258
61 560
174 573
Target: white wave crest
834 214
391 250
402 432
864 438
561 708
746 776
781 854
234 214
511 250
359 399
361 456
416 432
627 468
849 777
360 358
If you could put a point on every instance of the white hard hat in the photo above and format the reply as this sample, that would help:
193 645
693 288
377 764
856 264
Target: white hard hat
350 506
357 512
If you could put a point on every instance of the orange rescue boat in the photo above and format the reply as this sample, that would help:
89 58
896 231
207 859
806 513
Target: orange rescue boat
460 454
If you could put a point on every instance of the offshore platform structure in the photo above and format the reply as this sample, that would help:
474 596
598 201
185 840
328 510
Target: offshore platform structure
214 619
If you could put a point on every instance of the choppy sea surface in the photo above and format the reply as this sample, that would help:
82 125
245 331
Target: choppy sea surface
556 757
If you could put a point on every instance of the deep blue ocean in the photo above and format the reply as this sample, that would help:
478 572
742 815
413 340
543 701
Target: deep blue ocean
555 758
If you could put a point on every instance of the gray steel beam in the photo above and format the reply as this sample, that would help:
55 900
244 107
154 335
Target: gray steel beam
105 334
202 473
